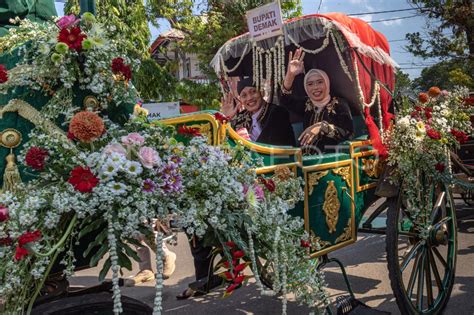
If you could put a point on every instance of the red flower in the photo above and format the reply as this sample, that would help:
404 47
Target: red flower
73 37
434 91
270 185
460 136
231 288
188 131
36 158
6 241
119 67
82 179
423 98
228 264
304 243
28 237
70 136
433 134
468 101
240 267
428 111
418 108
239 279
238 254
440 167
20 253
3 74
228 275
221 118
3 214
230 244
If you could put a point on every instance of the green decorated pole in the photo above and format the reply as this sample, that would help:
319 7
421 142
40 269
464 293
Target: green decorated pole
87 6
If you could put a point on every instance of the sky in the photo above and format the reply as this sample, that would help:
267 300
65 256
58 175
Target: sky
394 30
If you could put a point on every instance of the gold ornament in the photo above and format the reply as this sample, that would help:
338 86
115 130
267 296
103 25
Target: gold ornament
313 180
345 173
10 138
331 206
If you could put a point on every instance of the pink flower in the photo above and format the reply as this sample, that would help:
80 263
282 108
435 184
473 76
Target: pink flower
259 192
149 157
67 21
115 148
133 138
3 214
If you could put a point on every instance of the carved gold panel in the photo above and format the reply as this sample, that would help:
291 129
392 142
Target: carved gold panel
331 206
370 167
347 234
313 180
345 173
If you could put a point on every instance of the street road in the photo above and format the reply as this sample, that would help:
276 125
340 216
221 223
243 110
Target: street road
365 265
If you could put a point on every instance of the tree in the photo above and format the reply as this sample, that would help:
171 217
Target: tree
455 16
216 22
445 75
128 18
402 83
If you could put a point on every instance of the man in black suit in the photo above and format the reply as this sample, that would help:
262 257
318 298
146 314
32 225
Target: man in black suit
264 122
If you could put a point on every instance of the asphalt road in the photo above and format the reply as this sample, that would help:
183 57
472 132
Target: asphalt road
365 264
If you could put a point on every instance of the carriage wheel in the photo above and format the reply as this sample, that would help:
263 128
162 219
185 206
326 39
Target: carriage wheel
468 197
421 268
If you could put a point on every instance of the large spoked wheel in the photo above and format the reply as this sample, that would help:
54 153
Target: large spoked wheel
422 264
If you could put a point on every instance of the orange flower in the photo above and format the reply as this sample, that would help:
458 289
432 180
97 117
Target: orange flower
86 126
423 97
434 91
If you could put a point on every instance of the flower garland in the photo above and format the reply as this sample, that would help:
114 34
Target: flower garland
116 296
157 306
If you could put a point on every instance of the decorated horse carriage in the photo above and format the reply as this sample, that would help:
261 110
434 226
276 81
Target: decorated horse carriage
162 163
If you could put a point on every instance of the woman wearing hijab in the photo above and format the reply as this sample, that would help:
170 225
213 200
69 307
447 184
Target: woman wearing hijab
264 122
327 120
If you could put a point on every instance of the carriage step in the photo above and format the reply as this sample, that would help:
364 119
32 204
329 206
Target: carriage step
351 306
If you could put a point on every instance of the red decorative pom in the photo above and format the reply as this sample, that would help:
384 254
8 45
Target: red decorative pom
433 134
119 67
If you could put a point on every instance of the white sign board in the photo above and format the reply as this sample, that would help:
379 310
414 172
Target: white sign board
265 21
161 110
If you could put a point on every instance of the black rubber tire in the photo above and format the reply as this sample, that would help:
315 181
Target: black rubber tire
396 281
91 304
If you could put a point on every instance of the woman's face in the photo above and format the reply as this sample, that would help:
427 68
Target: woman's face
251 99
316 88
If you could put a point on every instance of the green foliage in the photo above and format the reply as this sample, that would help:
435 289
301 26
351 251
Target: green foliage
402 83
453 16
446 75
154 82
205 96
128 18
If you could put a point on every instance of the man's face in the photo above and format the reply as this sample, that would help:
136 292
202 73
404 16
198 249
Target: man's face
251 99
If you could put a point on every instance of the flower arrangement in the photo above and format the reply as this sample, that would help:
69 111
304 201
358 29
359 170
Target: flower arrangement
74 54
113 181
422 136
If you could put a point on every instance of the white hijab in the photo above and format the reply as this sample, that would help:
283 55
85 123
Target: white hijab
327 96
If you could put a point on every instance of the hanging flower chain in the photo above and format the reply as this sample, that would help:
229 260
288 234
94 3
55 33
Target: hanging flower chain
114 265
157 305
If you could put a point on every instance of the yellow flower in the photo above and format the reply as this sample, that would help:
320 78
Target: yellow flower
140 111
420 127
444 141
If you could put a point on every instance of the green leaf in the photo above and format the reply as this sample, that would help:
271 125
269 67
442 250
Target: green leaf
105 269
123 260
130 252
91 227
98 241
98 255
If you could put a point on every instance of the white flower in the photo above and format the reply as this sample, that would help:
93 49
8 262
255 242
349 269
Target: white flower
404 122
117 188
133 168
110 168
